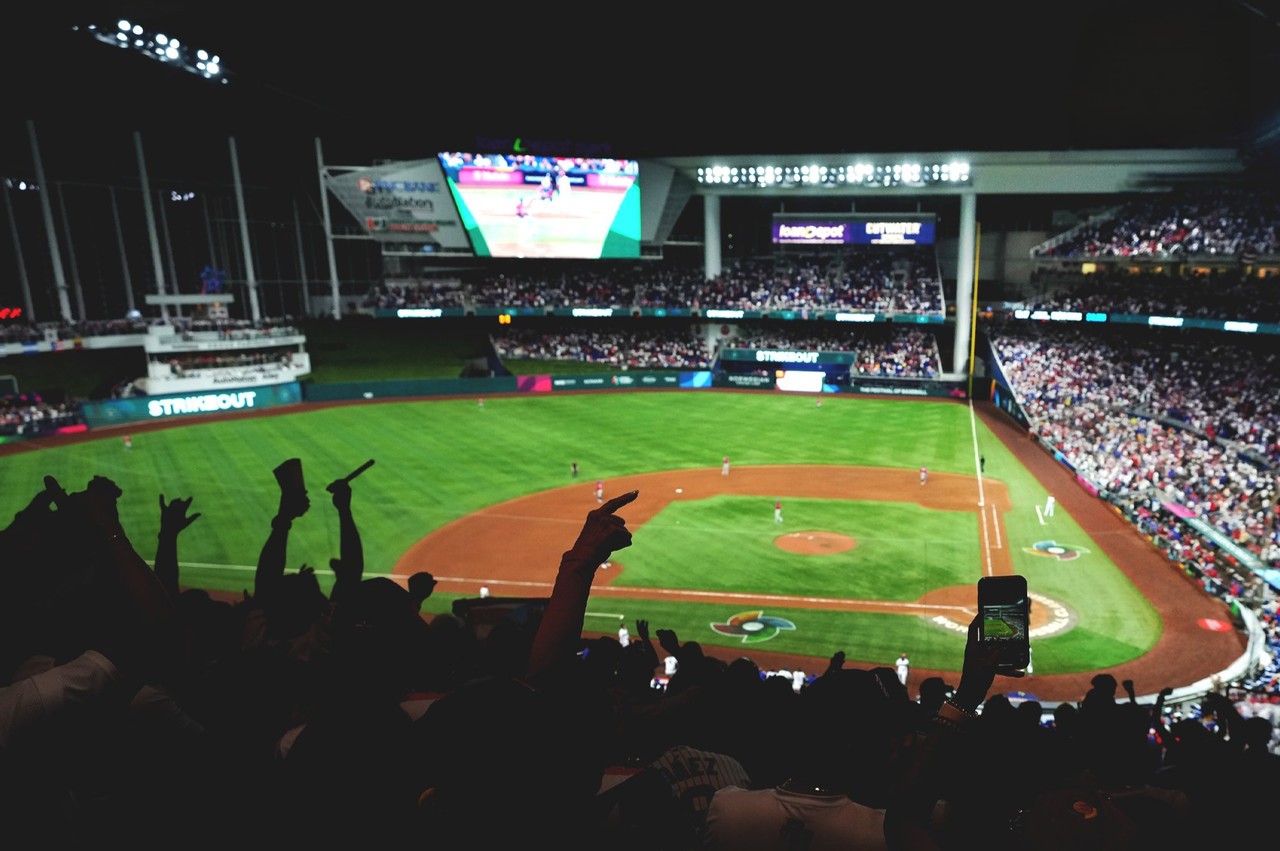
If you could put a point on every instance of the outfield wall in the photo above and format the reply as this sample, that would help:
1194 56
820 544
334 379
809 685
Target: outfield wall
765 380
117 412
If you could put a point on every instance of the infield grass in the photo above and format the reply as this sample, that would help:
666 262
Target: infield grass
727 544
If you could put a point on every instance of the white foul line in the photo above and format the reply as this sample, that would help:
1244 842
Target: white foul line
1039 516
982 494
986 540
977 454
995 522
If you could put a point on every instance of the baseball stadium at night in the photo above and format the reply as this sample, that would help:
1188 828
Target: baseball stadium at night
483 436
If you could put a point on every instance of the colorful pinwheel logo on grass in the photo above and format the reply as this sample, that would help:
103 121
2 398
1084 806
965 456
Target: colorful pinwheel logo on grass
1052 549
753 627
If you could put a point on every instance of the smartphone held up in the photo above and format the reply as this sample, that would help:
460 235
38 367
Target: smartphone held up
1005 621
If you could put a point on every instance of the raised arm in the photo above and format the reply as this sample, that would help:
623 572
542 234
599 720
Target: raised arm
348 567
173 519
133 620
271 559
942 762
1157 717
642 630
603 533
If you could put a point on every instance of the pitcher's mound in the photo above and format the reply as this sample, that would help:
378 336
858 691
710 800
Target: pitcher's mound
812 543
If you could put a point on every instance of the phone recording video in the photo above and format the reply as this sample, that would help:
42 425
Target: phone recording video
1005 620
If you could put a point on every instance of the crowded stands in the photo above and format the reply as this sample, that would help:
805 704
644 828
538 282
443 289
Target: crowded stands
880 280
345 716
1167 426
1208 222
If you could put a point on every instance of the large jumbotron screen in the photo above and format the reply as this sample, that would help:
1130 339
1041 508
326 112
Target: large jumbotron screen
518 205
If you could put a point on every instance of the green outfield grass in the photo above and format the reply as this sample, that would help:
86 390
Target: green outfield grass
440 460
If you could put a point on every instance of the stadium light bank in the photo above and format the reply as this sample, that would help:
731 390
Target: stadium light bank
160 47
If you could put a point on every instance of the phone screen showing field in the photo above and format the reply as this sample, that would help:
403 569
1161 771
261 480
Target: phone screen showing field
1004 622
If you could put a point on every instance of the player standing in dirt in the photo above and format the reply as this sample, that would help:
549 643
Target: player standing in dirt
924 475
599 490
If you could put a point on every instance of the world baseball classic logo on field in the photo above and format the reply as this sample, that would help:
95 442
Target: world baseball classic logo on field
753 627
1052 549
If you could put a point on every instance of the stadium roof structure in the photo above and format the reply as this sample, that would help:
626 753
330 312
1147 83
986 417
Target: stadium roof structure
1004 101
398 81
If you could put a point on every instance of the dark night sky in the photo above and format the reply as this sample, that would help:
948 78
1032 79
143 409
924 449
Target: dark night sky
403 80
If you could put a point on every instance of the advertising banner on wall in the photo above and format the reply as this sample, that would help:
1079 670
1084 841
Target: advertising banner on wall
616 381
150 408
402 202
853 229
791 357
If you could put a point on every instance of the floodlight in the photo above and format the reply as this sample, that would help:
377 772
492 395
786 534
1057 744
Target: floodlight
162 47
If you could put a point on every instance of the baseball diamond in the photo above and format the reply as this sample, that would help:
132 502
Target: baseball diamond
533 525
832 587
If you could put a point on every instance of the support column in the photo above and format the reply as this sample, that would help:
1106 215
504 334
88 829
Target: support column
71 255
302 262
17 252
711 235
124 255
168 247
250 279
157 263
965 283
336 309
59 277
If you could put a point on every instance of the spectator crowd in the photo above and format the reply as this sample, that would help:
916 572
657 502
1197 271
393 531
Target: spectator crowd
30 415
1221 294
877 280
883 351
132 700
1169 427
1213 221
